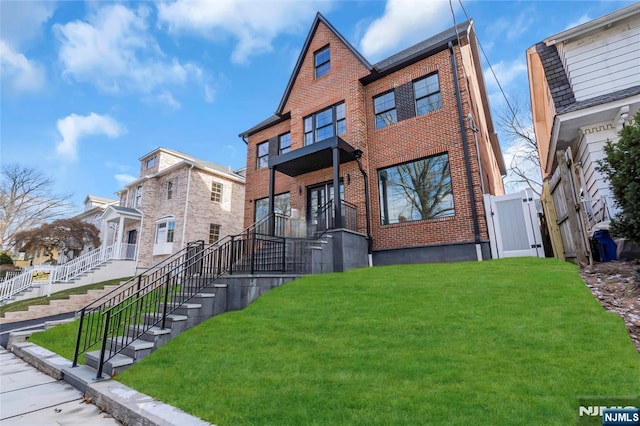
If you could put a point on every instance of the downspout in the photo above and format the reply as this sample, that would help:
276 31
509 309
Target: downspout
186 207
357 154
465 148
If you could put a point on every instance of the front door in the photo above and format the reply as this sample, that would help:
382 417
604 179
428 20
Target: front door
130 250
319 212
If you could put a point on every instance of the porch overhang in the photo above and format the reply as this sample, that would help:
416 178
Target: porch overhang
312 157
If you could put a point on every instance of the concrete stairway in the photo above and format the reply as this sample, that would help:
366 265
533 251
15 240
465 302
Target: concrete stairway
211 301
74 303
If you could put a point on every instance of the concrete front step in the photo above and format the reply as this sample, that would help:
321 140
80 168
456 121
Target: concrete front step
137 349
115 365
156 335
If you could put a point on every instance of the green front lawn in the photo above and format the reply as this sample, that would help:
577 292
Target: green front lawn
512 341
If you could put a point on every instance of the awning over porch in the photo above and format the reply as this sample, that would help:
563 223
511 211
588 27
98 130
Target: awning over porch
312 157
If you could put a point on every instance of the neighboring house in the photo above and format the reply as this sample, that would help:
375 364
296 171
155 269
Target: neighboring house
177 199
418 123
585 85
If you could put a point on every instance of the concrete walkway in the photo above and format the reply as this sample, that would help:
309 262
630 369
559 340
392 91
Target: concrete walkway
46 396
30 397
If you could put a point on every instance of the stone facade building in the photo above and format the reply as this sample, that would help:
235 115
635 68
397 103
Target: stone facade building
409 141
177 199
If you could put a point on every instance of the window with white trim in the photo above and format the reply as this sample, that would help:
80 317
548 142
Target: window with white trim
262 160
169 190
214 233
137 200
216 192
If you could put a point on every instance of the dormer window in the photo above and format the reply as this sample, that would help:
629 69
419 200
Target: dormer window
322 63
152 162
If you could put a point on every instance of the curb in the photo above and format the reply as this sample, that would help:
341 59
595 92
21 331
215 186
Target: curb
121 402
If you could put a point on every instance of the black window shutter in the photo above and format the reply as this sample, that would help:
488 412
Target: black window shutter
405 104
273 147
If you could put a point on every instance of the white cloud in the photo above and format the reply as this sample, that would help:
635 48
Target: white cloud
581 20
406 22
18 72
209 93
74 127
114 51
510 30
254 25
167 98
506 72
22 21
124 179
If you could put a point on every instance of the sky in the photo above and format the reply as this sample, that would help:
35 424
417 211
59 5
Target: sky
87 88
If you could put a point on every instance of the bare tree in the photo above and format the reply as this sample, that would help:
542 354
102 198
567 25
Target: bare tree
27 200
68 236
515 123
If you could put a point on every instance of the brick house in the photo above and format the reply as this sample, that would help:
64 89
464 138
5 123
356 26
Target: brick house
409 141
177 199
585 86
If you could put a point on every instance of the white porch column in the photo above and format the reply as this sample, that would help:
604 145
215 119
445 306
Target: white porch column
118 248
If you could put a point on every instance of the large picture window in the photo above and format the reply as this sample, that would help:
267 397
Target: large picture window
427 94
325 124
416 191
384 107
282 205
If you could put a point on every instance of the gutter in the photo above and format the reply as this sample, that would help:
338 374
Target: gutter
465 148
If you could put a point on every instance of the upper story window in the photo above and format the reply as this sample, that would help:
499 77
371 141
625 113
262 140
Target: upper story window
216 192
284 143
325 124
263 155
152 162
137 200
322 61
427 94
169 190
384 107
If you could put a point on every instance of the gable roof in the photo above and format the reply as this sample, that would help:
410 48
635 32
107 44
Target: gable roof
194 160
303 53
556 77
399 60
418 51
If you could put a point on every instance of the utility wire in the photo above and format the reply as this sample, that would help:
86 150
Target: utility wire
486 58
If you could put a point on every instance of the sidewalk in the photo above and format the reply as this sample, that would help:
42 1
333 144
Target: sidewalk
30 397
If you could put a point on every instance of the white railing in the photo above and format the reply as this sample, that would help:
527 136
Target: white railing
69 270
10 274
83 263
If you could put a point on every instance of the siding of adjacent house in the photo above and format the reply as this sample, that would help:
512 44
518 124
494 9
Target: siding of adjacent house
605 62
200 211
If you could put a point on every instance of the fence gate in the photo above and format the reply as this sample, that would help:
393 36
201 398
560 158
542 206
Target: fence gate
514 228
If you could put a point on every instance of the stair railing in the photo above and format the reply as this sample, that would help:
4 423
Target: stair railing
86 262
126 313
16 284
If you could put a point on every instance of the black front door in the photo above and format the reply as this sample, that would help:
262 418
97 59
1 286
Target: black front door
319 212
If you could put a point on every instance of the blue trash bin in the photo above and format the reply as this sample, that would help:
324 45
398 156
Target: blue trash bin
606 245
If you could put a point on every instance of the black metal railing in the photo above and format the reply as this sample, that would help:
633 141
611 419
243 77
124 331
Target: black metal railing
326 219
115 320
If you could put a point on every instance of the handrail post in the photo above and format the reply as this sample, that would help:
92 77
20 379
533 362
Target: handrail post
253 252
104 344
76 354
232 254
166 297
